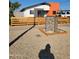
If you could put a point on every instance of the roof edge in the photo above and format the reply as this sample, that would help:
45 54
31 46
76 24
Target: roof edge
44 3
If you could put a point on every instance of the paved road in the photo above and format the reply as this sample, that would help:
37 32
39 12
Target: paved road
29 45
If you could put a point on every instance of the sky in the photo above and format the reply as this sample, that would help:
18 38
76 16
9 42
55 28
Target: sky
64 4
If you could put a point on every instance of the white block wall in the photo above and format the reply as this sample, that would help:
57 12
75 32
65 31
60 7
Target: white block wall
27 11
18 14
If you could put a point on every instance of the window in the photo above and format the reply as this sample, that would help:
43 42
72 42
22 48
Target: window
54 12
46 11
68 12
63 13
31 11
41 13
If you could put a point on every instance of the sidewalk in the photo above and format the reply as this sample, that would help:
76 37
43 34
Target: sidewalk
29 45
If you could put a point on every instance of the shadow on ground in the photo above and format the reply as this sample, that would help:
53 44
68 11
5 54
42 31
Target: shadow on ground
46 53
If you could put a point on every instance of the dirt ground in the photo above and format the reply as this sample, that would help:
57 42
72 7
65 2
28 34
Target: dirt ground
30 44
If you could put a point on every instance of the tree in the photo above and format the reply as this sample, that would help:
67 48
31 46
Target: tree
12 8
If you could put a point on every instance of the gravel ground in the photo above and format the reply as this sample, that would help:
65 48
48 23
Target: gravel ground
16 30
29 45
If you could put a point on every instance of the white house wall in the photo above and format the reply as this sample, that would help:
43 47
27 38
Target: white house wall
27 11
18 14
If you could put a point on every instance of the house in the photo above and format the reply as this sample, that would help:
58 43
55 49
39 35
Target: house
39 10
64 13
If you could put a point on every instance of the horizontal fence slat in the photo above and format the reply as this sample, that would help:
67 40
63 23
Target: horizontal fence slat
30 20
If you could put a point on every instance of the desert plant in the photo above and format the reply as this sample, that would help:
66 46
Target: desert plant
12 8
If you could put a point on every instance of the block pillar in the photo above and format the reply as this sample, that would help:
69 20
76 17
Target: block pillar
51 23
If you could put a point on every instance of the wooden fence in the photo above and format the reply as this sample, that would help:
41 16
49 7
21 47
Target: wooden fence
19 21
27 20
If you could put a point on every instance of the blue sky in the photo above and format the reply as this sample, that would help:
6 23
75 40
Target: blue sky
64 4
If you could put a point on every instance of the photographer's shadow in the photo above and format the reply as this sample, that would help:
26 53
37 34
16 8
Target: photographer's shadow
46 53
